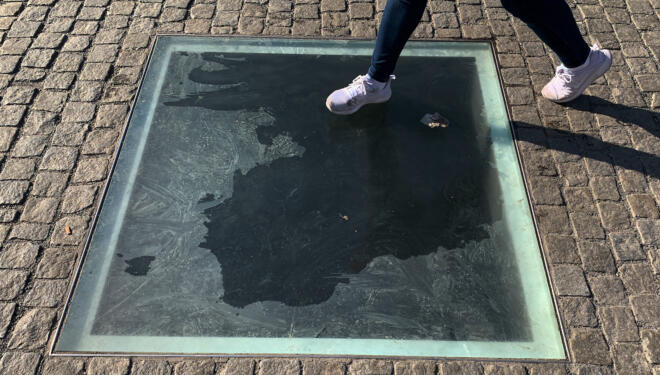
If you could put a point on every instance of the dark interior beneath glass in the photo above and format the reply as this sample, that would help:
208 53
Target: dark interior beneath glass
256 212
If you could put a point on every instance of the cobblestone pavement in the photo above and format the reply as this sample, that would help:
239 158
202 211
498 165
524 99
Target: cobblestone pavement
68 72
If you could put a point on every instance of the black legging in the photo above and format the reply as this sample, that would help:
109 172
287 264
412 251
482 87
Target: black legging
551 20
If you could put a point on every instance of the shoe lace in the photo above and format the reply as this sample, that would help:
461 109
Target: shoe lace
357 87
564 74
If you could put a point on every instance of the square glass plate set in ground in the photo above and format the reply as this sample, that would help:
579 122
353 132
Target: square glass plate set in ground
243 218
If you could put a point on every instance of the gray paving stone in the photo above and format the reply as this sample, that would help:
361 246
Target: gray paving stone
50 101
561 249
85 28
56 263
49 184
141 26
579 199
18 255
126 76
586 226
58 25
11 115
26 75
628 359
467 368
108 366
78 230
100 141
614 215
569 280
63 366
578 312
651 344
596 256
324 367
77 43
618 324
29 231
46 293
151 367
638 278
19 363
607 289
10 9
91 13
649 231
39 122
17 169
69 134
13 192
553 219
646 308
40 210
6 313
119 94
6 138
109 36
14 46
588 346
28 145
58 159
240 366
78 112
23 29
152 10
626 246
38 58
91 170
503 369
7 215
78 198
370 366
549 369
643 205
11 283
65 9
632 181
68 62
102 53
194 368
59 81
17 95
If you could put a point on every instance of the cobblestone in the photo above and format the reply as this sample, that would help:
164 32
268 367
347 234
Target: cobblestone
108 366
57 366
578 311
40 210
31 330
19 255
588 346
646 308
19 363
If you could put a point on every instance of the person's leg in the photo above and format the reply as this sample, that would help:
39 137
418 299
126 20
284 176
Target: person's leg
400 18
553 22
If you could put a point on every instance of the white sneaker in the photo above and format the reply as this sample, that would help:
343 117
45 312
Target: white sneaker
569 83
363 90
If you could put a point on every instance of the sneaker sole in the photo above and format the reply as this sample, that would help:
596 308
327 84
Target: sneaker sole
586 83
350 112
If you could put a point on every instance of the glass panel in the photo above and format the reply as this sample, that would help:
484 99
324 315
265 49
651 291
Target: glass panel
243 217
